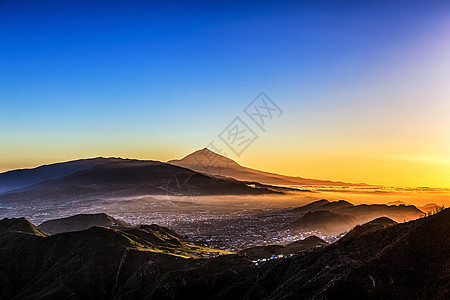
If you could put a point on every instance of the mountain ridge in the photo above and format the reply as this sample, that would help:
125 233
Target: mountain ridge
340 216
203 161
81 222
21 178
207 161
132 177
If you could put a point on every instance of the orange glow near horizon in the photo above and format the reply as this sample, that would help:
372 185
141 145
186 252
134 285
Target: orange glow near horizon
401 171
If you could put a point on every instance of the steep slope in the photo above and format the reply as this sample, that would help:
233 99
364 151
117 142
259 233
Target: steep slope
21 178
209 162
81 222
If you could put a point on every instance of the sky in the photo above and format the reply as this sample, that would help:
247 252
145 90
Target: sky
363 86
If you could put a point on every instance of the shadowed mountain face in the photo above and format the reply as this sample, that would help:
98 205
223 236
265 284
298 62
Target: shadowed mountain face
17 179
208 162
325 222
131 178
378 260
81 222
340 216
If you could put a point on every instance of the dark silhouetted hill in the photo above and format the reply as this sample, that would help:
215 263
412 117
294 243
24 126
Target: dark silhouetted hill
325 221
313 206
430 207
81 222
21 178
370 227
20 225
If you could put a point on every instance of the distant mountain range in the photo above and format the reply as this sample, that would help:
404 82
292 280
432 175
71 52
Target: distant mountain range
429 207
426 208
209 162
88 171
200 173
340 216
378 260
118 177
21 178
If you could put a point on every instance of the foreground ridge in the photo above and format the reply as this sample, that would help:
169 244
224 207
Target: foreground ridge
380 259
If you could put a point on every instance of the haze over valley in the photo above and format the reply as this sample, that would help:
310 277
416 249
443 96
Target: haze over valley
222 204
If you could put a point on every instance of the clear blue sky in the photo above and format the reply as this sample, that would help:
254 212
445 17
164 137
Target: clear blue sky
157 79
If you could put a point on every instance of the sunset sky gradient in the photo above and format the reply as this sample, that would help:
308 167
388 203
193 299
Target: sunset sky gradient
364 85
